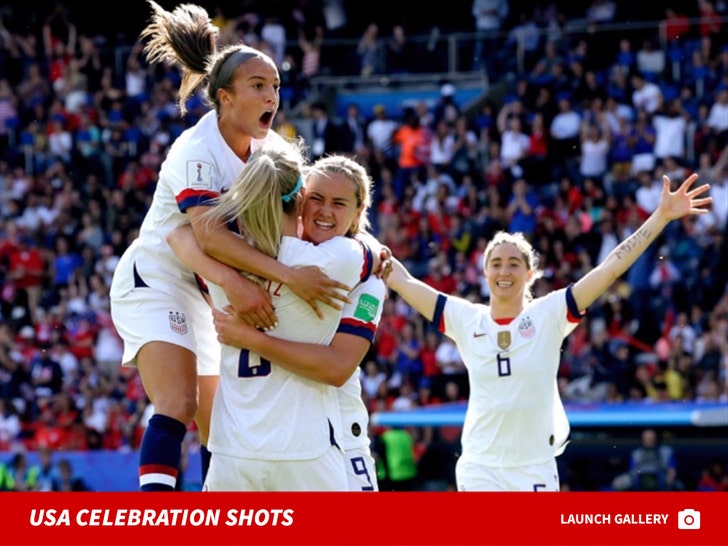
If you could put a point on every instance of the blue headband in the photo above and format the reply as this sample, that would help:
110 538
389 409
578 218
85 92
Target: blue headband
287 197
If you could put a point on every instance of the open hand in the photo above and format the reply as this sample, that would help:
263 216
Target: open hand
684 200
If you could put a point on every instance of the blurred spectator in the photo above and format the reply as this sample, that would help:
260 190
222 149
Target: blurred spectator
399 52
652 465
10 425
489 16
713 477
325 134
650 60
675 26
352 137
66 480
380 131
17 475
396 464
646 95
369 52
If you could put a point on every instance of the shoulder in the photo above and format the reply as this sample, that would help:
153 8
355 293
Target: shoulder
198 138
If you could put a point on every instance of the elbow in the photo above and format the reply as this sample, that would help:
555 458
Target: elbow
207 245
172 239
337 378
336 375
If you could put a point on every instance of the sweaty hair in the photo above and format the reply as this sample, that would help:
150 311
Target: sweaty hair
188 38
347 167
266 189
524 247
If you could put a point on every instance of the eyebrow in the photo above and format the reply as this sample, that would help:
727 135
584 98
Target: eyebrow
317 194
509 258
256 77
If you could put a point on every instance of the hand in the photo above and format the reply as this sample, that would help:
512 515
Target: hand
252 303
311 285
681 202
231 328
386 266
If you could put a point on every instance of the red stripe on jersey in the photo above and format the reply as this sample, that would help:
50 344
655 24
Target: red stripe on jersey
158 469
503 321
202 284
200 195
571 318
350 326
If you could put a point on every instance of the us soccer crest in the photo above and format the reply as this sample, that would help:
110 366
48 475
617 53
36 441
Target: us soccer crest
526 328
178 322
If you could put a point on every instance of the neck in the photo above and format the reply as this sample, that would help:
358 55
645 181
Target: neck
508 308
238 141
290 226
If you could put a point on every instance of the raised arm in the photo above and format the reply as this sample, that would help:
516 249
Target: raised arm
418 294
331 364
673 205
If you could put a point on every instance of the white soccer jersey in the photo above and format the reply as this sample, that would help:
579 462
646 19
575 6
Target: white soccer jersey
262 411
359 318
515 416
198 167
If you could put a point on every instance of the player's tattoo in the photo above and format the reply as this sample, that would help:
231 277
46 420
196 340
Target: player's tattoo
642 234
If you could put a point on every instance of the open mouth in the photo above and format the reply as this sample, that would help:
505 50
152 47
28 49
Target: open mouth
266 118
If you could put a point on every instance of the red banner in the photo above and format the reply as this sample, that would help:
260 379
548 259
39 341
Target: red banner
563 519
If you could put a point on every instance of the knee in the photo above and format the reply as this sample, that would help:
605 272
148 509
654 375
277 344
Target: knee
178 405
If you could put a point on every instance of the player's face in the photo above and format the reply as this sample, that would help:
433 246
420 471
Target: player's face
253 100
507 272
330 207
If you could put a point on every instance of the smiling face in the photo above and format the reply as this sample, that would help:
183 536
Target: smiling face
330 207
507 273
251 101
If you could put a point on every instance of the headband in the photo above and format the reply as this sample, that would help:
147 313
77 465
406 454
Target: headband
287 197
229 66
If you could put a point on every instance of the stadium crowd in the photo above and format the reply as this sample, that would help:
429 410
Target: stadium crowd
572 156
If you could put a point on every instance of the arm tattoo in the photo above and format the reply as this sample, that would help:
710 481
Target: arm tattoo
630 244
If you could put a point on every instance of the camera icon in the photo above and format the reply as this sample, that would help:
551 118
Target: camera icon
688 519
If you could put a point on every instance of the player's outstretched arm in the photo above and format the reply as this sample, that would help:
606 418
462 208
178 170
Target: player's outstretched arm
673 205
332 364
418 294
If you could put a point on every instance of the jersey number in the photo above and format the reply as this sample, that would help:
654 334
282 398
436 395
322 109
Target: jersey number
504 366
360 469
248 369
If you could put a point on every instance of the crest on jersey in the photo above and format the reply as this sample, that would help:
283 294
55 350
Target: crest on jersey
504 339
178 322
526 328
199 175
366 309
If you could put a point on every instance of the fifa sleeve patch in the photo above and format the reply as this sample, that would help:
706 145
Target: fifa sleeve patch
199 174
366 308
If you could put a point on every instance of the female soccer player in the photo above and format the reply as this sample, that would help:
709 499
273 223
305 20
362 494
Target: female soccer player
156 303
336 203
515 424
272 429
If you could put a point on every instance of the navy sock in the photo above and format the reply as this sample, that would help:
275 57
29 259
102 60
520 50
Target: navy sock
205 462
160 453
